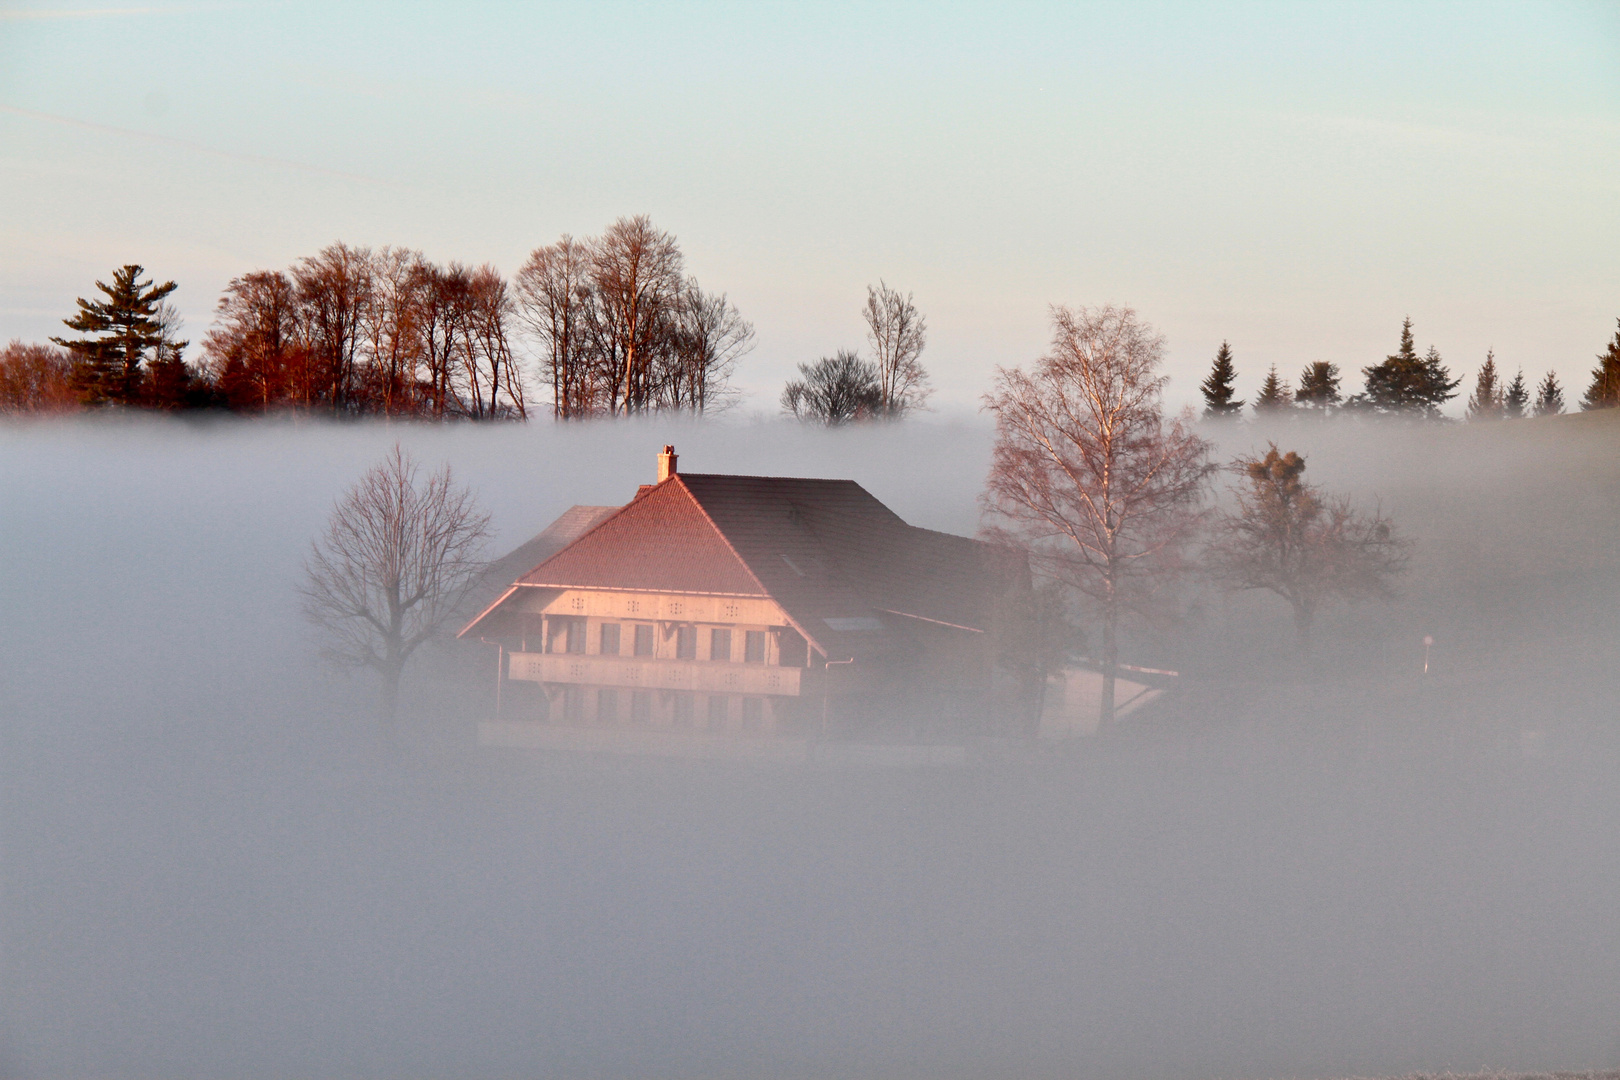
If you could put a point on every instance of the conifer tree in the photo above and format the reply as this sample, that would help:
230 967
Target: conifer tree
1549 396
1408 385
1517 397
1218 388
122 329
1486 402
1318 386
1275 397
1604 393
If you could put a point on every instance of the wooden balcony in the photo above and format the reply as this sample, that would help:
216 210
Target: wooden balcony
649 674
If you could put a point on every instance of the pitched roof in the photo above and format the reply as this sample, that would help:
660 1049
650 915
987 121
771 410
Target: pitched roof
662 541
839 563
570 525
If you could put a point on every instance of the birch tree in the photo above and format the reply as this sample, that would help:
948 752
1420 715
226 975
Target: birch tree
1089 476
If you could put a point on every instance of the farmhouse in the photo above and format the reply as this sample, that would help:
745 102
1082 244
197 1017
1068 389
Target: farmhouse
751 604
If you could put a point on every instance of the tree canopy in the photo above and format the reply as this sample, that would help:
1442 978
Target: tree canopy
1406 384
1220 387
120 332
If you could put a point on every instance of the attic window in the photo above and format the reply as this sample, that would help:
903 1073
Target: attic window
793 566
857 622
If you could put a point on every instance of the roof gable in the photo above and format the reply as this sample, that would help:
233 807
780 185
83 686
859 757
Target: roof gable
662 542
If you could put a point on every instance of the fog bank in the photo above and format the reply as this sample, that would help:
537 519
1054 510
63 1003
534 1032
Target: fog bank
212 869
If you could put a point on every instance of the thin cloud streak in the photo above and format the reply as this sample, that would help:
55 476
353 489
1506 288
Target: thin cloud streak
203 148
111 13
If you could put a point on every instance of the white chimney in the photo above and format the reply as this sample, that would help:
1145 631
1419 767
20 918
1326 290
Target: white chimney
666 464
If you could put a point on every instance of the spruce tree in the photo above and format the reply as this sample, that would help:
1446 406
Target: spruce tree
1517 397
1318 386
1218 388
1275 397
1549 396
1604 393
1408 385
122 329
1486 402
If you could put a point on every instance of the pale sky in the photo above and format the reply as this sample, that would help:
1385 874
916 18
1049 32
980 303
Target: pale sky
1294 178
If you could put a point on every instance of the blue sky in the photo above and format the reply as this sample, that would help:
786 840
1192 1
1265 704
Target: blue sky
1294 178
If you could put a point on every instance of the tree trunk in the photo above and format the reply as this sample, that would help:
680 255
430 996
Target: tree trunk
1110 665
388 708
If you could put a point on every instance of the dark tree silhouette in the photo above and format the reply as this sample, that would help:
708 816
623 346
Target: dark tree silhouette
835 390
1406 384
1219 404
1604 392
1287 538
1516 398
397 559
897 333
122 330
1549 396
1318 387
1274 398
1489 399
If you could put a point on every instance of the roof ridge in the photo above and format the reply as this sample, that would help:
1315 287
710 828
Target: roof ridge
715 525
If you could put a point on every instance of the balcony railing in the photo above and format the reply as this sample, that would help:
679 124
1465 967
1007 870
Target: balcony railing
700 675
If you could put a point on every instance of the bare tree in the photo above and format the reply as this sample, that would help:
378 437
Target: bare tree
491 372
254 354
1088 476
1289 539
555 303
334 288
398 556
834 390
36 378
391 331
636 272
897 333
710 337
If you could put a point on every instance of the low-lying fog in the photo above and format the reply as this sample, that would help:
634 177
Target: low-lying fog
211 869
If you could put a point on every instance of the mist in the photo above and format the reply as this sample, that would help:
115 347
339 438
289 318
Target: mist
214 867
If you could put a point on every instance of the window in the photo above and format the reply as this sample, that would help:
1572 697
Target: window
683 709
717 711
719 644
644 641
754 647
573 703
610 639
576 635
753 711
641 706
607 706
686 643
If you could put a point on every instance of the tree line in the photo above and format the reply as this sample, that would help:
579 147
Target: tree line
1405 384
618 327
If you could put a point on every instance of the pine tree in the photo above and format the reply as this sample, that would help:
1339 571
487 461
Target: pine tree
1318 386
1408 385
1517 397
1549 396
1486 402
1604 393
122 328
1275 397
1218 388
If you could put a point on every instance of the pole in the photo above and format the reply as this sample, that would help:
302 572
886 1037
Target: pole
500 676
